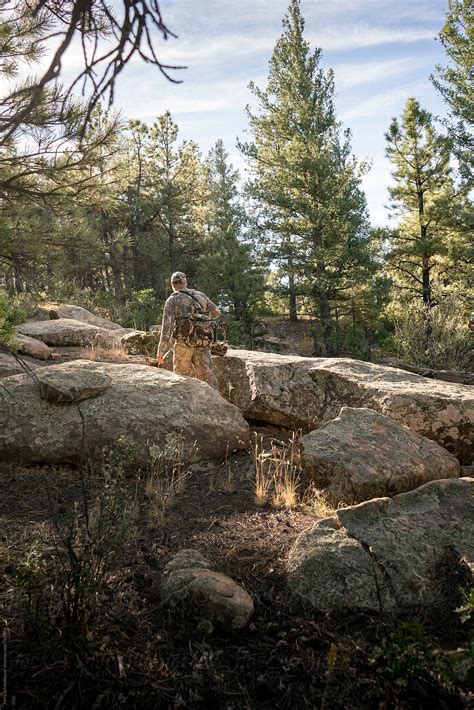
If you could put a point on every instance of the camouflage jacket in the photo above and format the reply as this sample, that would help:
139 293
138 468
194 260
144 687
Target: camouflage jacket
181 304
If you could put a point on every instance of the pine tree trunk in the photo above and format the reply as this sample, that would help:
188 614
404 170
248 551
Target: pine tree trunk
426 281
326 323
425 257
292 298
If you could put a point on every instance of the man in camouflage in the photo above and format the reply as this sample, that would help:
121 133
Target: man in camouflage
187 360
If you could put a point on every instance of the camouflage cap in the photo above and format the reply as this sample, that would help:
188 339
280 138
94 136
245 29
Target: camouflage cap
178 276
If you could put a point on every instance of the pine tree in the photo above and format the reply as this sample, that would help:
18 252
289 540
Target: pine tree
228 271
314 211
177 189
423 246
455 82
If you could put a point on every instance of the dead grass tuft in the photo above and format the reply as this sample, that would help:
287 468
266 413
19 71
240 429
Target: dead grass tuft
222 480
263 478
166 478
277 472
313 502
279 478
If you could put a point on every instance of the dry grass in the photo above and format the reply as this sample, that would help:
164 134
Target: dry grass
101 354
166 478
279 478
277 472
286 484
314 502
223 478
263 479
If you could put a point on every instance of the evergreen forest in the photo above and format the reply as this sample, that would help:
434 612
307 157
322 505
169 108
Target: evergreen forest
98 212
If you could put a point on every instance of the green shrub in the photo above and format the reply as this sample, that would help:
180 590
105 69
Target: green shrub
137 309
437 337
140 310
11 314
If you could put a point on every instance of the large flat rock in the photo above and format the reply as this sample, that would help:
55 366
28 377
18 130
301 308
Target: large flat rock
33 347
59 384
388 553
66 310
304 393
69 332
9 366
152 406
363 454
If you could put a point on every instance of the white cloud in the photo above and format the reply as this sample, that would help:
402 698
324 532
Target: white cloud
223 47
382 103
353 36
234 46
182 105
189 98
357 73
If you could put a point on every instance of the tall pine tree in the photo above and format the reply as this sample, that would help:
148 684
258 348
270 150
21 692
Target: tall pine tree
455 82
303 174
177 187
425 245
227 270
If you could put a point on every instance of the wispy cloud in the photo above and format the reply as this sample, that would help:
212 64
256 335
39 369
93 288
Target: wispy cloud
225 47
350 36
383 103
230 13
235 46
204 98
358 73
181 105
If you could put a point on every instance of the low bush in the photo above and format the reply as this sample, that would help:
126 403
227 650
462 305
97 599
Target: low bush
437 337
11 314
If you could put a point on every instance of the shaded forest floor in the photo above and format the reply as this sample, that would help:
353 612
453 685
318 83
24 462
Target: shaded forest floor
132 652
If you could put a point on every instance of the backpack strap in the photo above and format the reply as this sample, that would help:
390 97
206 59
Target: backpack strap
188 293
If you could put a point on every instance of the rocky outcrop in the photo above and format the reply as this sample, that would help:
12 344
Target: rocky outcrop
363 454
458 376
213 598
151 406
82 315
388 553
68 332
33 347
303 392
78 384
140 342
9 366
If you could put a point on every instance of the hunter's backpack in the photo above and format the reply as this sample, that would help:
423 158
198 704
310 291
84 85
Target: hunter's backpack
196 329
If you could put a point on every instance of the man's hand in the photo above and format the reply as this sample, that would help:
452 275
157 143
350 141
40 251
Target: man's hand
161 360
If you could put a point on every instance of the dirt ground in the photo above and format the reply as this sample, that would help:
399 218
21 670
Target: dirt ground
136 653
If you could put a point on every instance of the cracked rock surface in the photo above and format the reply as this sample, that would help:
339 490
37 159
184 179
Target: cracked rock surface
151 407
65 310
64 383
300 392
388 553
69 332
363 454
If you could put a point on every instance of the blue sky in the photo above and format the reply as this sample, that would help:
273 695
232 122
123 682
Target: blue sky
382 52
